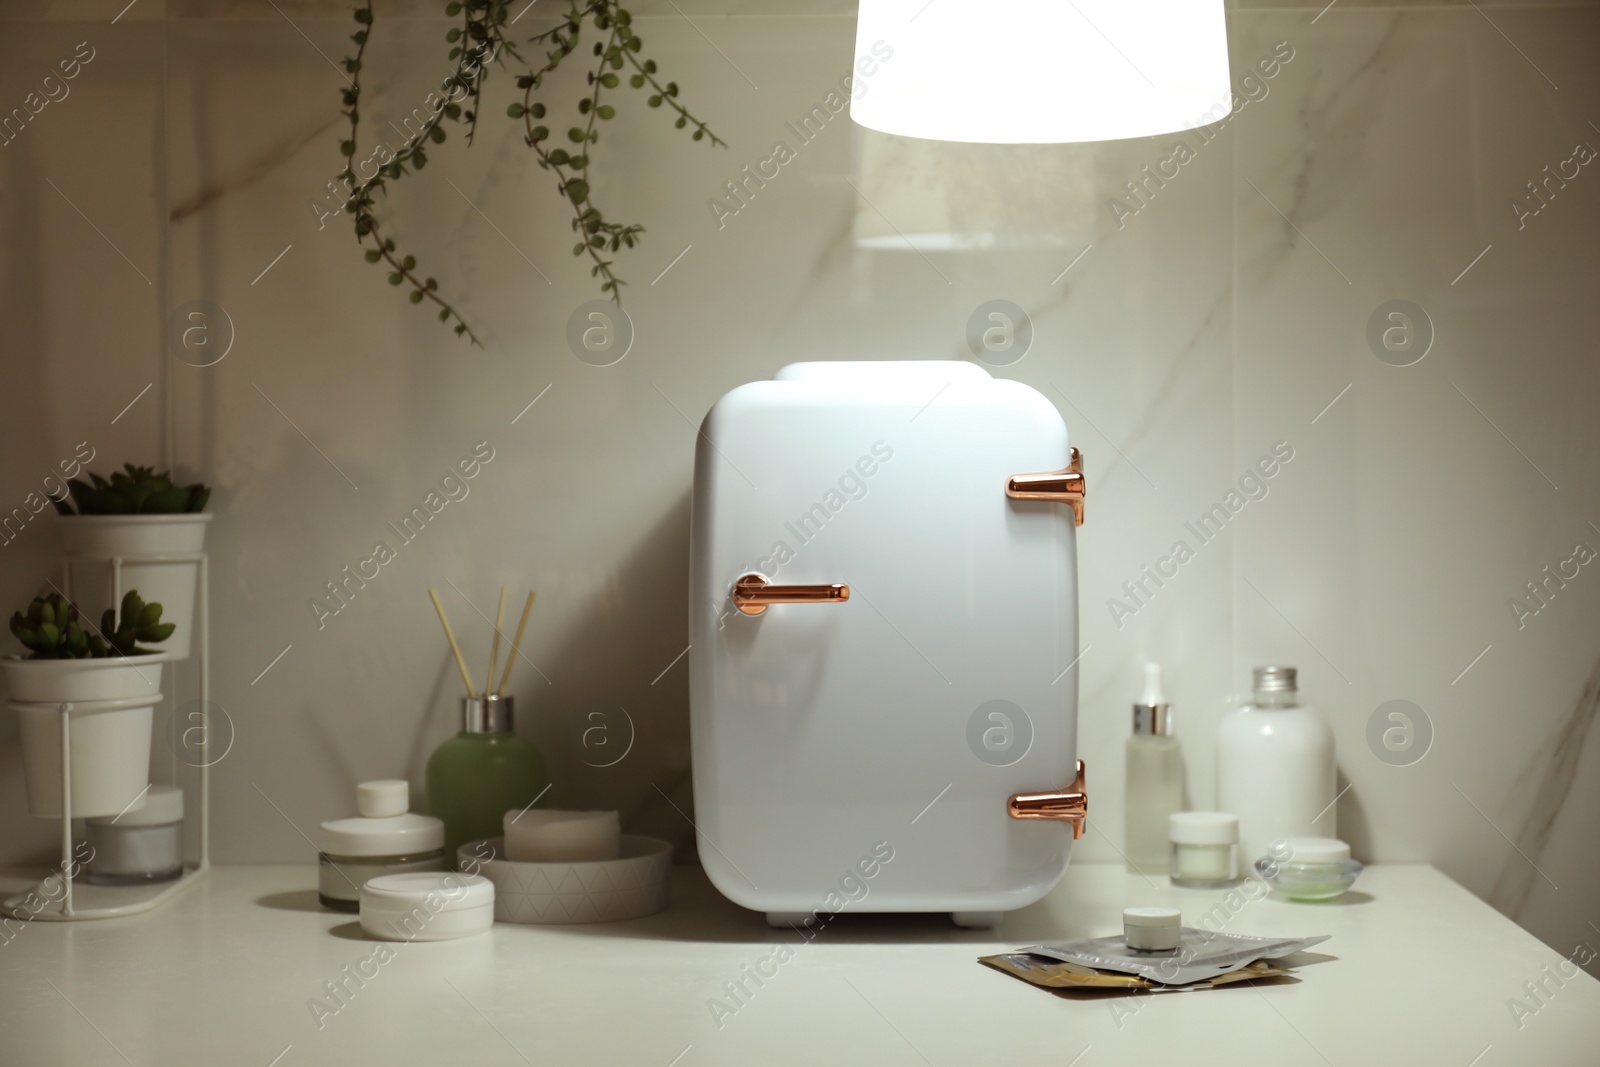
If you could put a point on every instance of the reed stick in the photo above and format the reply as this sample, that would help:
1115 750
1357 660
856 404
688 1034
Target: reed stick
461 663
516 643
494 645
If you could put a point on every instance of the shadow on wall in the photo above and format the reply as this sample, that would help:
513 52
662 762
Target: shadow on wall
26 442
613 725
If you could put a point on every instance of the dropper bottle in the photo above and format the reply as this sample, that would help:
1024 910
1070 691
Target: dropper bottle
1154 779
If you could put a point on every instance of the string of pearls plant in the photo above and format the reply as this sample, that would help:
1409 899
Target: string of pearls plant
479 42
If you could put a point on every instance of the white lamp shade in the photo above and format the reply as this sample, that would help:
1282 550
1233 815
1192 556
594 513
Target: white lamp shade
1039 71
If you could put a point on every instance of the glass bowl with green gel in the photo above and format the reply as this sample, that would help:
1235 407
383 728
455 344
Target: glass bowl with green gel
1309 868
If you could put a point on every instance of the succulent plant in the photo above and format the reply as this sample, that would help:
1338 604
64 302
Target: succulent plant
133 491
51 629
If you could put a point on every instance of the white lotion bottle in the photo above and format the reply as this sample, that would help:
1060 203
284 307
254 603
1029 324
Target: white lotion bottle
1154 781
1275 766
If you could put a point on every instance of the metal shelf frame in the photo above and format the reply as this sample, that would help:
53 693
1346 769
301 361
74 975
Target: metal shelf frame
91 901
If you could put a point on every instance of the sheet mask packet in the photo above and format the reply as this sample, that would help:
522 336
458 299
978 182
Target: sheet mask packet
1200 956
1055 974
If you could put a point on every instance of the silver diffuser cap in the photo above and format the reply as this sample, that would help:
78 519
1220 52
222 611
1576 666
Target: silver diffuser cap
486 714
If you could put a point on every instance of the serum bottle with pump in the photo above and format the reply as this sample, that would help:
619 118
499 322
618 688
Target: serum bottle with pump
1154 777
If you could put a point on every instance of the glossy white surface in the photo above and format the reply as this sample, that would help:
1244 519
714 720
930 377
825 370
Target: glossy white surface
824 732
1188 339
229 971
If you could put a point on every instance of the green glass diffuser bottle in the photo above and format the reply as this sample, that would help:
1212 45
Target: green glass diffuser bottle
482 772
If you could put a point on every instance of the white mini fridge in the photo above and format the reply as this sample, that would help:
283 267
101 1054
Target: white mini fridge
884 632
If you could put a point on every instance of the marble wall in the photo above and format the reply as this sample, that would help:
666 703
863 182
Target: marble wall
1183 334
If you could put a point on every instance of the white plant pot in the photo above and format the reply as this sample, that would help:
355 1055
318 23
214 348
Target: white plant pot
172 585
111 718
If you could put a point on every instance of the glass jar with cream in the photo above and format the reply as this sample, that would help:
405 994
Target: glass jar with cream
1205 849
385 838
1309 868
141 845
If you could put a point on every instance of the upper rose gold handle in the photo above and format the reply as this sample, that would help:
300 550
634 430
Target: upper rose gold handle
752 594
1070 804
1063 486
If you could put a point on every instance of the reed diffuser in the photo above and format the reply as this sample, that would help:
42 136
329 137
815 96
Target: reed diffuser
485 770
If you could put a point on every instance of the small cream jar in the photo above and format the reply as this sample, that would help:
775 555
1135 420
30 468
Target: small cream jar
426 907
383 839
1205 849
139 846
1151 929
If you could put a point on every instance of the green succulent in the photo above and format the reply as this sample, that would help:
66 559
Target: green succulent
133 491
51 629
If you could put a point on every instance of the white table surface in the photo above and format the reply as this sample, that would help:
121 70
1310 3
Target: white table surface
1418 972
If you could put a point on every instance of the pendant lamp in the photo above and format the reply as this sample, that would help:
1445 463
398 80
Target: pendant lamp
1039 71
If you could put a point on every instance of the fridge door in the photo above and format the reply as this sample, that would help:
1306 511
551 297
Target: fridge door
859 754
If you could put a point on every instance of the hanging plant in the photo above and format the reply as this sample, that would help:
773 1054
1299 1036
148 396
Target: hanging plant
479 42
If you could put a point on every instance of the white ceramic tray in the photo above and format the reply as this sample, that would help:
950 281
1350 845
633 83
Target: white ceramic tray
552 894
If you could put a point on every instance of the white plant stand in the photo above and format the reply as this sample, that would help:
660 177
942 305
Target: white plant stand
63 901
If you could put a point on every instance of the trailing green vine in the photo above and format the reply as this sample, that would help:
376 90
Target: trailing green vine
480 40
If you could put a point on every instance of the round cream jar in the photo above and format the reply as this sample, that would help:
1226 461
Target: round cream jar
383 839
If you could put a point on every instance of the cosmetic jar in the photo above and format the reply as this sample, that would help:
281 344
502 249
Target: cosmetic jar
384 839
1205 849
1151 929
426 907
139 846
1310 868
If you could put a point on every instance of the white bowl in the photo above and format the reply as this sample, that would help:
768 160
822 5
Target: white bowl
554 894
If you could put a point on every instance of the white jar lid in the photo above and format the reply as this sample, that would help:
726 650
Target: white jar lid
163 804
384 827
1202 828
422 906
1154 917
398 835
387 796
1315 850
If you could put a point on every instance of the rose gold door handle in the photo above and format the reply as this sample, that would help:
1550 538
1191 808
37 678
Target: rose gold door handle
1070 805
1064 486
752 593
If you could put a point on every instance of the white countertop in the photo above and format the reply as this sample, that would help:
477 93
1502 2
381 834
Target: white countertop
1418 972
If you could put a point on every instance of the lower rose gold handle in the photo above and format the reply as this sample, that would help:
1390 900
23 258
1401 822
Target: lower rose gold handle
753 593
1070 805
